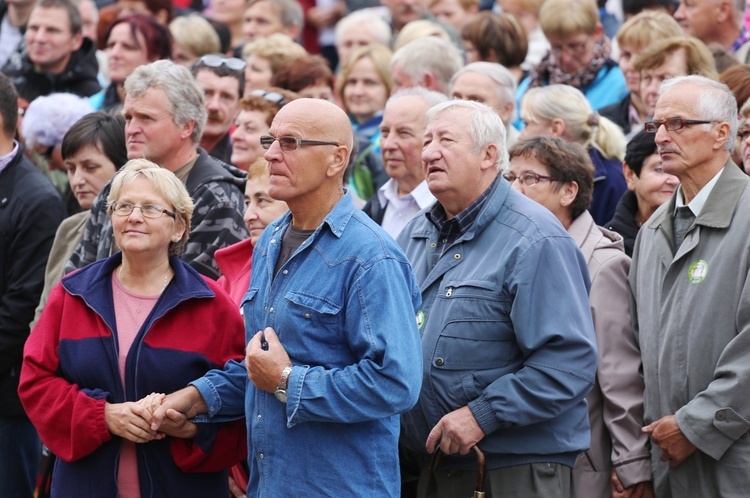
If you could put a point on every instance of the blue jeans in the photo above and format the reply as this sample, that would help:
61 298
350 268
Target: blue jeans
20 454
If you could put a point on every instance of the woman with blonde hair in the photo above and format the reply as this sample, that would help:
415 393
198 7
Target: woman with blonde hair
139 322
563 111
265 56
363 88
192 38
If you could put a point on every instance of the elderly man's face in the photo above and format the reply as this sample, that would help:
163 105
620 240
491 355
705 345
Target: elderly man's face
298 173
743 136
222 101
689 147
150 131
698 18
261 19
481 88
405 11
401 131
49 40
450 165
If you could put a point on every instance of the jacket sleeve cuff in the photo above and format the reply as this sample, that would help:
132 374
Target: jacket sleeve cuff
210 396
484 415
635 470
712 436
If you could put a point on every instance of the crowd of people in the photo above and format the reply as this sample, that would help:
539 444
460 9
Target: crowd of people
349 247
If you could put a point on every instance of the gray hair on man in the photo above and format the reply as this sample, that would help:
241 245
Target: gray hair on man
429 55
716 102
364 19
184 94
505 82
485 128
430 97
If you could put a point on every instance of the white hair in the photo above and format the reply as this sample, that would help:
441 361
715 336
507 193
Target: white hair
486 127
505 81
48 118
715 103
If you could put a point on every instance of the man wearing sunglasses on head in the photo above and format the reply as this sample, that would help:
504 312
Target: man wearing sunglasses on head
222 79
690 301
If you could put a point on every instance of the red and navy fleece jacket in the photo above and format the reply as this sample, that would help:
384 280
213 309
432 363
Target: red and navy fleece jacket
70 370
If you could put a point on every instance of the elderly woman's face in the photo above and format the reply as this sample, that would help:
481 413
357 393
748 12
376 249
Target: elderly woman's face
573 53
246 148
526 171
136 234
88 171
743 137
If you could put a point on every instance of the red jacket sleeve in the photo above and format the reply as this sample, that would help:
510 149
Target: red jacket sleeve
70 422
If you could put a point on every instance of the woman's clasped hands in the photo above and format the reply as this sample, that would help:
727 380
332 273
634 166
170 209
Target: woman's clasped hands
132 420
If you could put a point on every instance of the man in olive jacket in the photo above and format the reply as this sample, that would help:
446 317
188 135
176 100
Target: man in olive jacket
691 298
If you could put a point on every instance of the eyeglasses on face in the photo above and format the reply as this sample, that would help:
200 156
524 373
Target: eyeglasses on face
672 124
272 97
527 179
147 210
290 143
213 60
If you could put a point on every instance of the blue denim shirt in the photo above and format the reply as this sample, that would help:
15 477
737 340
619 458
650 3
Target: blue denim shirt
344 308
507 331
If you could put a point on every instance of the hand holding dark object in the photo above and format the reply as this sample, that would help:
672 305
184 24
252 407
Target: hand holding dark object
265 364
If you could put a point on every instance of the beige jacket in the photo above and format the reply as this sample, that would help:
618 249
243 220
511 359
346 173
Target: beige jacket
616 401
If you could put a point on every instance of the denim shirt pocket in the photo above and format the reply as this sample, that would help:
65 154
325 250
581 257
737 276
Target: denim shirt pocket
317 314
246 306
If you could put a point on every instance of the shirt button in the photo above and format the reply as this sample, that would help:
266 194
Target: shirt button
276 229
720 416
307 315
285 272
260 417
271 310
439 362
433 244
261 456
456 256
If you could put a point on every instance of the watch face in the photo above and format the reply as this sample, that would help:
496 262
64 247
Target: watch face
280 395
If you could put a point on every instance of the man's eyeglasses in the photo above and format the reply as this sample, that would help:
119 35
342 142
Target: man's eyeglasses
272 97
527 179
290 143
672 124
213 60
147 210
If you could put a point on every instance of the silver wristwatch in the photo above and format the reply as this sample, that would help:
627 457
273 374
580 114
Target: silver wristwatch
283 382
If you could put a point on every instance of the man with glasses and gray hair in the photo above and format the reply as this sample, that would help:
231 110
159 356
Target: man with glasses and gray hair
691 298
333 351
222 79
508 339
165 116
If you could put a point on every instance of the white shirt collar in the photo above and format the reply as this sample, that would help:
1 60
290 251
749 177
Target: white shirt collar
696 205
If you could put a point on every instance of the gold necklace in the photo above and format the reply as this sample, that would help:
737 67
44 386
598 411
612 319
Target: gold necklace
166 276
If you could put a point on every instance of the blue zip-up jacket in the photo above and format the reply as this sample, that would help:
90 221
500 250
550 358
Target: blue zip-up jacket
507 331
70 370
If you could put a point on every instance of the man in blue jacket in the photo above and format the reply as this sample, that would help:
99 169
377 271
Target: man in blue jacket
508 343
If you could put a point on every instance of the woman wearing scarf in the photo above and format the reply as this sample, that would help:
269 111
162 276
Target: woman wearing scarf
579 55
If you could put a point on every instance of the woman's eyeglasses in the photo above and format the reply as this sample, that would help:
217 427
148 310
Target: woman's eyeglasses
147 210
528 179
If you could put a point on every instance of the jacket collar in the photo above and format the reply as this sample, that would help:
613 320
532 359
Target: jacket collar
719 207
588 236
93 285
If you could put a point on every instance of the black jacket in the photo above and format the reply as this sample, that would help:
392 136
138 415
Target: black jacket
619 113
79 76
624 220
30 211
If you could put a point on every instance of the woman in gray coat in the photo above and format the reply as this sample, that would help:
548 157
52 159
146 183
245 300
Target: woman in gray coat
559 175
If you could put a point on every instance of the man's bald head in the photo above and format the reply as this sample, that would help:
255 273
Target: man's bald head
319 120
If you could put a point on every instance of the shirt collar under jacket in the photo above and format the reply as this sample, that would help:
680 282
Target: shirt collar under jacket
7 158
